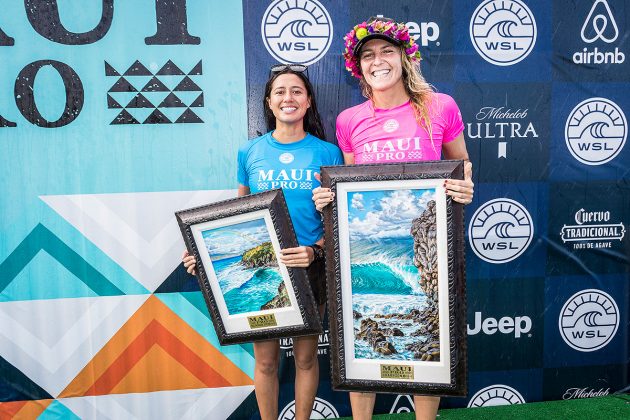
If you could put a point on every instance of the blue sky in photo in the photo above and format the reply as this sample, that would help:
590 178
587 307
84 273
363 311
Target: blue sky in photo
385 213
233 240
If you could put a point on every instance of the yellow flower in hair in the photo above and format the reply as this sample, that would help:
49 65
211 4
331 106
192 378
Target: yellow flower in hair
361 33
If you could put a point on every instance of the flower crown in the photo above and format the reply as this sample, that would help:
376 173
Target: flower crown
394 32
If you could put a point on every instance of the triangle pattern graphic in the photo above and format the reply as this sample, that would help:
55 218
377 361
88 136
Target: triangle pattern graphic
188 116
56 410
179 281
171 101
40 238
124 118
117 367
23 409
155 85
111 102
139 101
138 69
187 85
208 403
170 69
16 386
196 71
157 117
122 85
197 102
50 341
136 230
110 71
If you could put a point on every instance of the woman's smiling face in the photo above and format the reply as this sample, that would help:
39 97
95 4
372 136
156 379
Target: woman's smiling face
288 99
381 64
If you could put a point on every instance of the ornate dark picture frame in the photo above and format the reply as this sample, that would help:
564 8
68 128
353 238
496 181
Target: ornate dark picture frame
249 294
396 280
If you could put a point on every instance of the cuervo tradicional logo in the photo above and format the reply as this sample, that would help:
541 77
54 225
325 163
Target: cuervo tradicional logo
589 320
500 230
503 31
592 230
596 131
496 395
297 31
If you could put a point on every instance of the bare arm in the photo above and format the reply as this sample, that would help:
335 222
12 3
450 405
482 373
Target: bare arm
461 191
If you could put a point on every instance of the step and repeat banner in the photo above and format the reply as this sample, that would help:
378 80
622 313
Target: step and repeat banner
115 114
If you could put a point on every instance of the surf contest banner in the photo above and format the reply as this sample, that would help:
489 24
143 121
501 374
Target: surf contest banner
115 114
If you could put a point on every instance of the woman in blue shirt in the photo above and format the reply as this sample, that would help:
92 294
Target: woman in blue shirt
288 157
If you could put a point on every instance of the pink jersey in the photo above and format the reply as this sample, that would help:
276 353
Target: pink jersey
393 135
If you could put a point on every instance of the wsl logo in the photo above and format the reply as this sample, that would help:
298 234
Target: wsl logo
599 25
500 230
503 31
297 31
322 409
589 320
496 395
596 131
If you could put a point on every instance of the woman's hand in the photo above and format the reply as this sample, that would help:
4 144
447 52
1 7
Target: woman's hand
302 256
461 191
189 262
322 197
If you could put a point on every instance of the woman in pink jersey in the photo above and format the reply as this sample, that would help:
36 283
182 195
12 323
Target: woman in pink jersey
403 120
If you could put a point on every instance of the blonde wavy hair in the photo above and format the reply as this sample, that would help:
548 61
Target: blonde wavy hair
419 90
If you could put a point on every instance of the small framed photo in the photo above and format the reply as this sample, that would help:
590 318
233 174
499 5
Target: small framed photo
250 295
396 285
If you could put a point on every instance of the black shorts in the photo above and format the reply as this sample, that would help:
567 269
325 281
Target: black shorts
316 273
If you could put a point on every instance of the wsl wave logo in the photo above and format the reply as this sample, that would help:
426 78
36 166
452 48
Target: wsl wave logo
589 320
322 409
599 25
503 31
297 31
496 395
596 131
500 230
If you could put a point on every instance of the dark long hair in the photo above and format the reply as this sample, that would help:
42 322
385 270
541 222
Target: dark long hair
312 119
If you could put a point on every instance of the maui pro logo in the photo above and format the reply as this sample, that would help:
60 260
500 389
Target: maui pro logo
500 230
589 320
496 395
297 31
599 25
322 409
503 31
596 131
291 179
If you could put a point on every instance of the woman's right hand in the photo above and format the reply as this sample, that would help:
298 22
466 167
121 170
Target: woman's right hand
322 197
189 262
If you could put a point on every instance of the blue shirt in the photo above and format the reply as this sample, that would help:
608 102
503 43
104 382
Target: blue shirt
265 164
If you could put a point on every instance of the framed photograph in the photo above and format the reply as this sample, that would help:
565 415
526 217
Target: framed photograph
250 295
396 285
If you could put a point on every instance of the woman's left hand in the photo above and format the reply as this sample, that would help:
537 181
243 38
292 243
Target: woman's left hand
302 256
461 191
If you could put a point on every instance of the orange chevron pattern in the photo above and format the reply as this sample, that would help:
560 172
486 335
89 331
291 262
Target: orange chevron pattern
155 351
23 409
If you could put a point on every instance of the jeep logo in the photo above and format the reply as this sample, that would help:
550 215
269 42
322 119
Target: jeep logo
506 325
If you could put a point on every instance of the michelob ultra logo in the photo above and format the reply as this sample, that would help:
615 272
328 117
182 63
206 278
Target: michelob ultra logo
396 372
262 321
503 31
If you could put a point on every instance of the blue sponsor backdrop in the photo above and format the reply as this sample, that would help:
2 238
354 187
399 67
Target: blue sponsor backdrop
129 98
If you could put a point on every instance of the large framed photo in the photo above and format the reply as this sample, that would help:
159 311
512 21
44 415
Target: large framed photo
250 295
396 285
